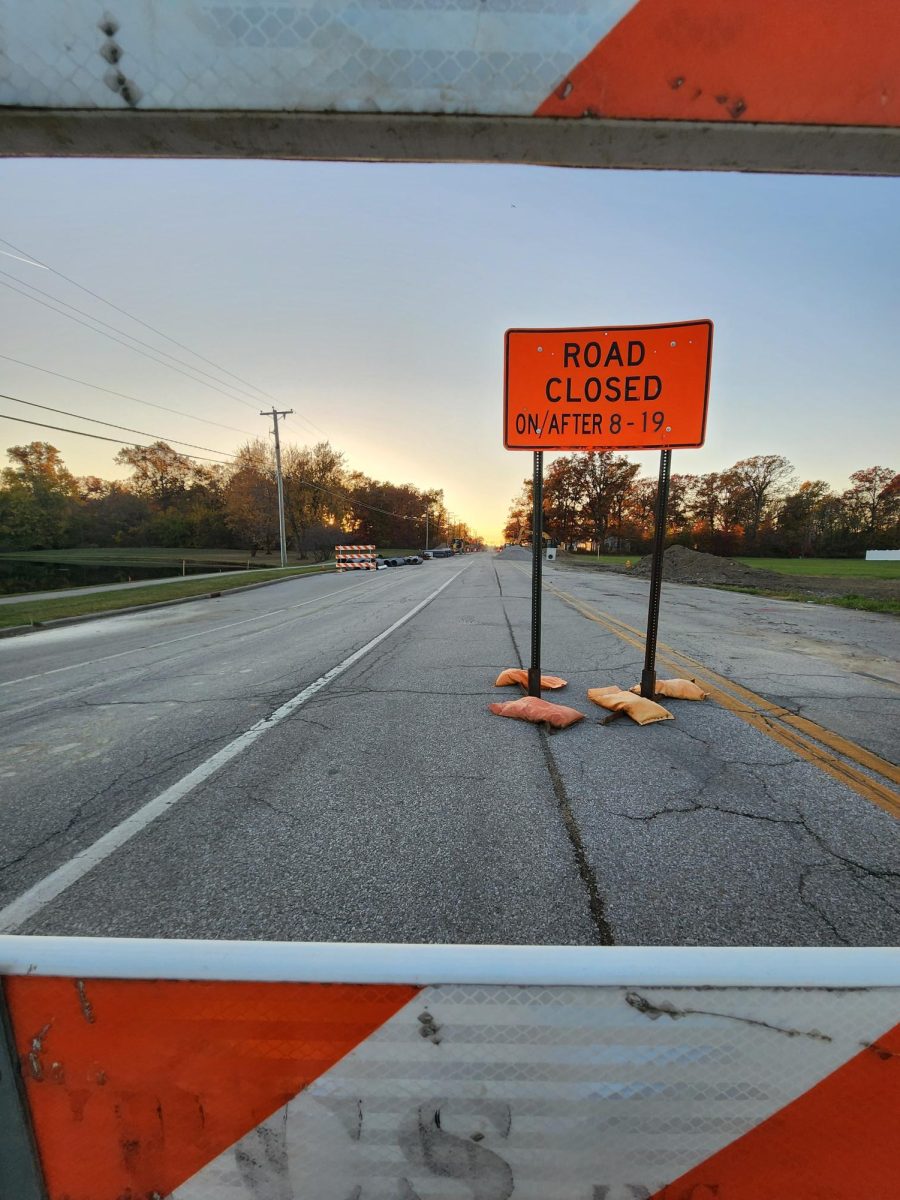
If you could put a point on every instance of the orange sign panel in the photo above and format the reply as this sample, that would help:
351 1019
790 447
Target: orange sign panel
623 387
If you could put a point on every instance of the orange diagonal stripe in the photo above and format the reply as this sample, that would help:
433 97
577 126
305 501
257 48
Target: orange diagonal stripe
135 1085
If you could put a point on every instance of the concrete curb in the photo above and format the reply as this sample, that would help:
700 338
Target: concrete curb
56 622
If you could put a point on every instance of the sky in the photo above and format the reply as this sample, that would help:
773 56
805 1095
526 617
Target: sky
373 298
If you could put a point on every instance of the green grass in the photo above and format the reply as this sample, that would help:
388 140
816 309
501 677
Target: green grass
860 603
35 611
603 560
144 556
838 568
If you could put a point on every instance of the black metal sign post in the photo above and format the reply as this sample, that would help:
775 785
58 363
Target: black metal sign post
537 527
648 675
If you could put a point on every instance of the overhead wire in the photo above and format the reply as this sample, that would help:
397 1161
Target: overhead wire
147 345
31 261
355 503
124 395
112 425
34 261
311 424
98 437
159 333
78 321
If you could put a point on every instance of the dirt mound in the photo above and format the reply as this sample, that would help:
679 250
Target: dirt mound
515 552
681 565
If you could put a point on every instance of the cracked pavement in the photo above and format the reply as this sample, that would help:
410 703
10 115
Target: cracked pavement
392 806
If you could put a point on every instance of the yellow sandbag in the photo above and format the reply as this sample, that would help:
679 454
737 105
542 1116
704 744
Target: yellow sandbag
531 708
517 675
642 711
676 689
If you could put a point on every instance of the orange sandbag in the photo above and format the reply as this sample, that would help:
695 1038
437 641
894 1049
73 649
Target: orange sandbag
644 712
676 689
517 675
531 708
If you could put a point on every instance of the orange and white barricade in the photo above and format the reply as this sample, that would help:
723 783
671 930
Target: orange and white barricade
355 558
228 1071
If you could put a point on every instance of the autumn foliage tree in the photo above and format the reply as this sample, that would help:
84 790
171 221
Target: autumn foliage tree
598 501
38 497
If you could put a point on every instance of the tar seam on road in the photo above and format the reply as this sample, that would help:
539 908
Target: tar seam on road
588 878
47 889
802 737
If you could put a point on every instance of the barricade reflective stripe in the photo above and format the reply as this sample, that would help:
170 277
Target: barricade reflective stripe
618 1086
355 558
779 61
784 85
681 60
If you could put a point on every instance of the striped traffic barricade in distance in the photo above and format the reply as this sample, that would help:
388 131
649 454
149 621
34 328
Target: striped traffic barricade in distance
228 1071
355 558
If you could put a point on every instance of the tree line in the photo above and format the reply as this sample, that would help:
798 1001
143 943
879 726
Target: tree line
598 501
171 499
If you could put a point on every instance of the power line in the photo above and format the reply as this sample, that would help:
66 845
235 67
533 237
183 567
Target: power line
356 503
111 425
33 261
311 424
99 437
159 333
124 395
93 328
117 330
130 336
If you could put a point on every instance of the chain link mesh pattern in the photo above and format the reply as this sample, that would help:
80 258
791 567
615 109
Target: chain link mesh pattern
437 56
547 1093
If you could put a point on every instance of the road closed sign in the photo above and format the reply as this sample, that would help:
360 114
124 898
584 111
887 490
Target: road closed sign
638 387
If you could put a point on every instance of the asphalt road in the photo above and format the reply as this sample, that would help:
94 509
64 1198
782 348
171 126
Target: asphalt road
315 760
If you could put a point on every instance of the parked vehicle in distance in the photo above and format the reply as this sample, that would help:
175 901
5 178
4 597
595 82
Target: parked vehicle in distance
442 554
426 554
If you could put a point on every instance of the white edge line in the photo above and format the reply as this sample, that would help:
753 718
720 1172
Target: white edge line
349 962
52 885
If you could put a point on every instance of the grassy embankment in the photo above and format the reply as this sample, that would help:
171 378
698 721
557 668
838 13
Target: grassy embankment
807 569
874 604
837 568
855 569
160 556
33 612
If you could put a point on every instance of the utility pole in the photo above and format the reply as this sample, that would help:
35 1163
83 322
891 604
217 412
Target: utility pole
282 539
426 528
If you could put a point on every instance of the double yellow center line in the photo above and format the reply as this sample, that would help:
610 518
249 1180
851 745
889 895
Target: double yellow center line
841 759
